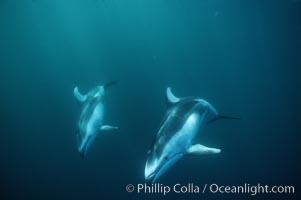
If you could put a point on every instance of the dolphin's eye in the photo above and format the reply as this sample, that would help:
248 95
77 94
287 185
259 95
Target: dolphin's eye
165 157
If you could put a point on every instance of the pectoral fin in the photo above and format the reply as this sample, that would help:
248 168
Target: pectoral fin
108 128
218 117
199 149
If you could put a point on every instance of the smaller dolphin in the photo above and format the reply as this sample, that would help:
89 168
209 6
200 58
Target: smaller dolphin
175 138
91 118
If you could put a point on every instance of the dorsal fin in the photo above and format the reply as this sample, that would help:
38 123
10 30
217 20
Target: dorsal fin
170 97
78 95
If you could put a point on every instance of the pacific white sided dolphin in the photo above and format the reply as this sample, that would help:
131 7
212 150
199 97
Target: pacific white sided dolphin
91 118
176 135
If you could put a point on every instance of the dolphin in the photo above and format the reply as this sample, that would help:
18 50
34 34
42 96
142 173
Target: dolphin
91 118
175 137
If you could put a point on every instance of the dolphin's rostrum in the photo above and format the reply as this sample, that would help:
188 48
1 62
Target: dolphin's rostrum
91 118
176 135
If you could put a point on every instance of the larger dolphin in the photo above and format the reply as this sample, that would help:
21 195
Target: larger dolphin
91 118
176 136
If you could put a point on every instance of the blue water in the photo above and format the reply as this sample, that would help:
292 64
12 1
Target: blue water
242 56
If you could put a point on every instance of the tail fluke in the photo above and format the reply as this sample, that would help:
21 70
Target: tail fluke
218 117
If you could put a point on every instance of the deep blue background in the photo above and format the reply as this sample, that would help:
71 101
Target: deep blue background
242 56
